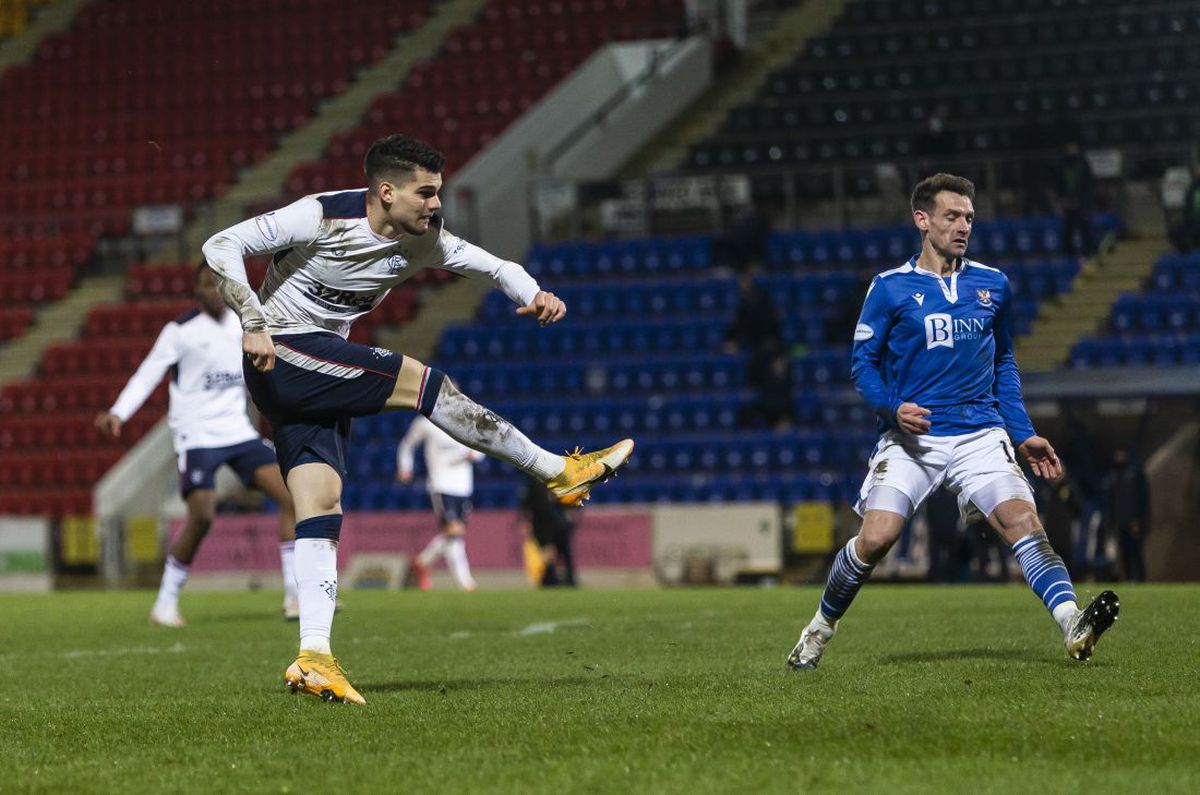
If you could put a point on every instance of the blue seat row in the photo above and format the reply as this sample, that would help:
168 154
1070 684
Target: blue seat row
576 260
1136 350
1040 278
676 374
651 299
1157 312
578 340
1177 272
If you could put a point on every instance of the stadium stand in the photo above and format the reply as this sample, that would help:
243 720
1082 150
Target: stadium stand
486 75
856 96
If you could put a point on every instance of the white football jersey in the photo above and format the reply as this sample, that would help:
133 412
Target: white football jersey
207 393
330 268
448 461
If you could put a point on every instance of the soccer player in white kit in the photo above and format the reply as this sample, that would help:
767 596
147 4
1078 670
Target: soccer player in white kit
210 427
450 482
336 257
933 356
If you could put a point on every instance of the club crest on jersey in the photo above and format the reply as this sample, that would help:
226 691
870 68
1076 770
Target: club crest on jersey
985 297
395 264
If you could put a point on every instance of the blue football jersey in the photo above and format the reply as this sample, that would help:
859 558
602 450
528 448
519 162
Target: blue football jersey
944 343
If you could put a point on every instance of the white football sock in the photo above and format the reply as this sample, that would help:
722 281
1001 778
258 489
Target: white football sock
433 550
456 559
316 587
175 575
287 561
1064 614
484 430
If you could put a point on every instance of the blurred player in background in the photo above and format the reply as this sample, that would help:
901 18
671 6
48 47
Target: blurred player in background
210 427
336 257
551 525
933 356
450 481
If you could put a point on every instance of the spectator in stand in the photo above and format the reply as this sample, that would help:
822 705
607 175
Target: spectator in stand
1074 199
1185 235
1127 511
758 332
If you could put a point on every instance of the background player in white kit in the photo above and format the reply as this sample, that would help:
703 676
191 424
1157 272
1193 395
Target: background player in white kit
210 427
336 257
450 482
933 356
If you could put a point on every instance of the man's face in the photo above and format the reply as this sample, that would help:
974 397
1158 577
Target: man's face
948 226
208 294
411 205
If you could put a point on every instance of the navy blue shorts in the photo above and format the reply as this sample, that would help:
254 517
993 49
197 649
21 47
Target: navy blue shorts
198 467
319 383
449 508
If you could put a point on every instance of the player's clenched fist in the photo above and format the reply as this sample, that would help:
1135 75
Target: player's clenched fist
258 346
546 307
911 418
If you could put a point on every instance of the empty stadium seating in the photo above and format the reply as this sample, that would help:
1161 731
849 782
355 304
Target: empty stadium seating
1113 73
1159 327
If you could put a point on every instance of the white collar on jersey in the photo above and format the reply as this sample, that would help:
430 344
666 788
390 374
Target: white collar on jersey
949 290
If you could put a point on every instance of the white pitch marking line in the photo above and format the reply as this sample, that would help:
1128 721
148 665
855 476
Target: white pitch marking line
548 627
133 650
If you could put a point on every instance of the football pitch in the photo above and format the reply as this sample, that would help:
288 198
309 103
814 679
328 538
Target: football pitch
925 689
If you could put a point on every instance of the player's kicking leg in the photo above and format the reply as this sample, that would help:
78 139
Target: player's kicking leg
571 477
1017 521
201 504
851 569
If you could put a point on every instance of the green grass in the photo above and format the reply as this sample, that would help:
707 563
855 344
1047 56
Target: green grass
924 689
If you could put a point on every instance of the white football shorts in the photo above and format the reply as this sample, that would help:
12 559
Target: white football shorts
980 467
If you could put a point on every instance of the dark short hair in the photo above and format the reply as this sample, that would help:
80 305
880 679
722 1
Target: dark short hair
201 267
400 154
924 195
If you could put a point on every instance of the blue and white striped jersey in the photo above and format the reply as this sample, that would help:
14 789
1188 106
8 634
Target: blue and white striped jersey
944 343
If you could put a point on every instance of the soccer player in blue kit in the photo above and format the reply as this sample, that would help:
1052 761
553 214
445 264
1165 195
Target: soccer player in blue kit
336 256
933 356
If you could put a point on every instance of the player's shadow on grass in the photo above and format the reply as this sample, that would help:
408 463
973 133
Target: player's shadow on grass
955 655
448 686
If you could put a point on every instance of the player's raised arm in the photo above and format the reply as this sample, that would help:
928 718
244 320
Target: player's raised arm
467 259
149 373
226 253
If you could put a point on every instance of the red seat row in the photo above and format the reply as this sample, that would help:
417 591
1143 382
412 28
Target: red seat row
132 320
36 287
63 468
51 501
79 393
13 322
64 431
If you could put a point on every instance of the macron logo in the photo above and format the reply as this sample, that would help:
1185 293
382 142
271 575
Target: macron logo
920 298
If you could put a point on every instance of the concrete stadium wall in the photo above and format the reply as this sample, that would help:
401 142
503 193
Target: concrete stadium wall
488 199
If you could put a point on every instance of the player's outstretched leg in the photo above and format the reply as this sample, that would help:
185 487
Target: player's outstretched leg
1047 576
846 577
571 477
1090 623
